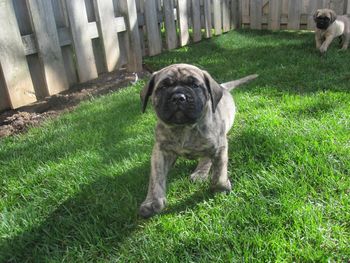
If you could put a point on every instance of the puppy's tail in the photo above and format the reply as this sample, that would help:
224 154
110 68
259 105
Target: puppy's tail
235 83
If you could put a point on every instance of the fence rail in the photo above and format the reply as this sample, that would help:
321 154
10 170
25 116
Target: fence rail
46 46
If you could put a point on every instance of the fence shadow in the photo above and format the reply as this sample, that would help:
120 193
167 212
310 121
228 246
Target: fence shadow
105 209
107 201
93 218
104 212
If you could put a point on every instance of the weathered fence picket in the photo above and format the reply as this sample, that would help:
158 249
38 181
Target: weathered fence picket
235 14
80 28
256 14
107 31
196 19
182 18
294 14
225 8
48 45
347 6
170 25
152 26
129 9
311 10
18 84
274 17
217 17
207 18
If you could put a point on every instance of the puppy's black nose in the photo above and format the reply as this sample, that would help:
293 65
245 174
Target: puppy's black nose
178 98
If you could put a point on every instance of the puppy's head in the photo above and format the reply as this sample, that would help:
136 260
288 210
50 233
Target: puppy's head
181 94
324 18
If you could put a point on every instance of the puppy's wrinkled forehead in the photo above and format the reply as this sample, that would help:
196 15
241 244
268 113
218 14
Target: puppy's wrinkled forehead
179 75
323 13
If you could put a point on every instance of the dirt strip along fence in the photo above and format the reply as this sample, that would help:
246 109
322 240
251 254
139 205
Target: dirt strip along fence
46 46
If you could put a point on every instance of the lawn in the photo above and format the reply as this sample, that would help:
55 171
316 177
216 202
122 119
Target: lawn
70 189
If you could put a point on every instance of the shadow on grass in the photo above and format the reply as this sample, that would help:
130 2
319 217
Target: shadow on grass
93 220
103 211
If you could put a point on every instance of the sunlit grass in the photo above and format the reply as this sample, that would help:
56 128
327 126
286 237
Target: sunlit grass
70 190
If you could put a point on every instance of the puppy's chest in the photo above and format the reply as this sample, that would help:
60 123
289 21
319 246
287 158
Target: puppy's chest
335 29
189 143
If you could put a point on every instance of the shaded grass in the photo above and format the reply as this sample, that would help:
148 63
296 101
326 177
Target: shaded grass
70 190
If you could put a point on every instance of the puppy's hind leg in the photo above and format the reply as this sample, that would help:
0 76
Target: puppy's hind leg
345 42
220 181
202 171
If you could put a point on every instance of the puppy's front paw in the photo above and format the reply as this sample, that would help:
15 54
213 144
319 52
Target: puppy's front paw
151 207
199 176
323 49
222 187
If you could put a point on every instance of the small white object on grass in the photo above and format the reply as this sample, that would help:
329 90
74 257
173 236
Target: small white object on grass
136 79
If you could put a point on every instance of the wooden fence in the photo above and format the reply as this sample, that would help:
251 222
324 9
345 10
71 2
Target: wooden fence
48 45
286 14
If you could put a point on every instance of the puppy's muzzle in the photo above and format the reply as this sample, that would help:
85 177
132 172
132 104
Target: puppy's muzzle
322 22
178 98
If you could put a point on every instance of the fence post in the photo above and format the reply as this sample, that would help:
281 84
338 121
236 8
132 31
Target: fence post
236 14
4 99
18 83
106 24
170 26
207 18
217 17
81 40
274 15
255 14
311 10
183 21
226 15
347 10
196 18
49 49
152 27
135 51
294 14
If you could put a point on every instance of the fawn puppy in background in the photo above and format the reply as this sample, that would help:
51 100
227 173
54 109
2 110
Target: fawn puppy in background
330 26
194 115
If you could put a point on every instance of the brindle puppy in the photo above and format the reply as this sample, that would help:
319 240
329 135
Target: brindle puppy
194 115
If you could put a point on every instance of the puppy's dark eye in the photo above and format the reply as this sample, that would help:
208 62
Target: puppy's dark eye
194 86
323 18
161 88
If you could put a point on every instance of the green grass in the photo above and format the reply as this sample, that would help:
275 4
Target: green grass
70 190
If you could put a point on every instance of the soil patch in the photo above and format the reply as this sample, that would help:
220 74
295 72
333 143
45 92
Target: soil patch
17 121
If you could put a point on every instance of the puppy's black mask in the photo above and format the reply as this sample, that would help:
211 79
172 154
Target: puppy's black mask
323 22
181 94
180 103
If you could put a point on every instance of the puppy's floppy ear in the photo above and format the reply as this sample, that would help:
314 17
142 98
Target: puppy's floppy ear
316 14
333 15
214 89
147 91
